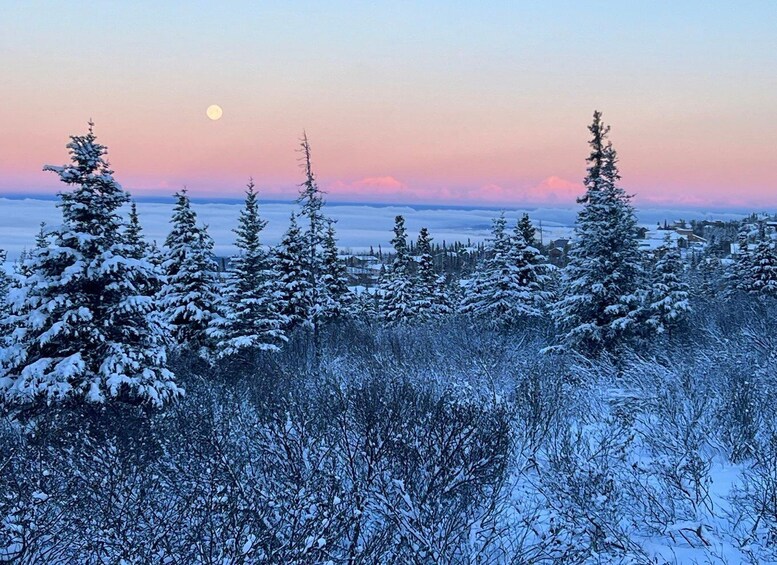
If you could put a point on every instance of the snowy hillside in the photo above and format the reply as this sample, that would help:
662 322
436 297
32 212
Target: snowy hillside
494 398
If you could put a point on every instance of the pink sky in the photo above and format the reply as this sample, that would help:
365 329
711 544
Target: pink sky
463 105
464 167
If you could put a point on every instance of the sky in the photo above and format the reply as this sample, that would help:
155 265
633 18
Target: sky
408 102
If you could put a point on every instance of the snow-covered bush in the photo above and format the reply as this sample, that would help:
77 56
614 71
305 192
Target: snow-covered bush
447 442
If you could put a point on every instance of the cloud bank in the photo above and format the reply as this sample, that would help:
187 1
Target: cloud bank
551 190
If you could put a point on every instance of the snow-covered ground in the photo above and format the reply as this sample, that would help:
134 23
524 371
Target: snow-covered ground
359 226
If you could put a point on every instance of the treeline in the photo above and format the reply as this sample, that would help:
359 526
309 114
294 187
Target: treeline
92 311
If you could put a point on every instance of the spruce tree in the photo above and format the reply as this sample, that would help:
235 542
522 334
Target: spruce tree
42 237
156 257
431 297
190 296
482 296
601 283
141 250
740 275
364 306
667 299
426 278
83 332
335 296
42 240
311 200
249 316
292 288
710 277
528 231
504 288
5 285
534 296
134 234
4 279
763 274
18 288
396 287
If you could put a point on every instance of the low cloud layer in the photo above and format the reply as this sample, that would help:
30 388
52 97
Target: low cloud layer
358 225
552 190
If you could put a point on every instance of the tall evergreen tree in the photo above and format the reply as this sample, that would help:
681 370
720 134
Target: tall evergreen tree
396 287
249 318
431 297
709 277
527 230
667 299
83 332
134 234
18 287
335 295
364 306
190 296
293 291
480 298
601 284
503 289
531 269
740 274
141 250
763 274
426 278
5 283
311 200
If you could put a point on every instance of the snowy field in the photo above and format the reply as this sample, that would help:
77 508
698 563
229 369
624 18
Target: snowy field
476 443
358 225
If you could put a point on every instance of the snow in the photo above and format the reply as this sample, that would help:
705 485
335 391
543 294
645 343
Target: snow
632 465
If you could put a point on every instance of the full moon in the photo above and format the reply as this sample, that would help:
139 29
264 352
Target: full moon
214 112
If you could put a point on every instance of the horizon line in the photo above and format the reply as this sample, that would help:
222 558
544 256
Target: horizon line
526 206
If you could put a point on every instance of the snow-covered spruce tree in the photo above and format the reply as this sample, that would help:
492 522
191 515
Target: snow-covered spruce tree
431 297
667 302
12 317
527 230
139 248
335 296
444 297
83 332
292 288
134 234
249 317
190 295
709 277
763 273
739 273
397 286
5 283
531 268
155 255
479 294
311 200
22 269
600 287
42 240
503 289
364 306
